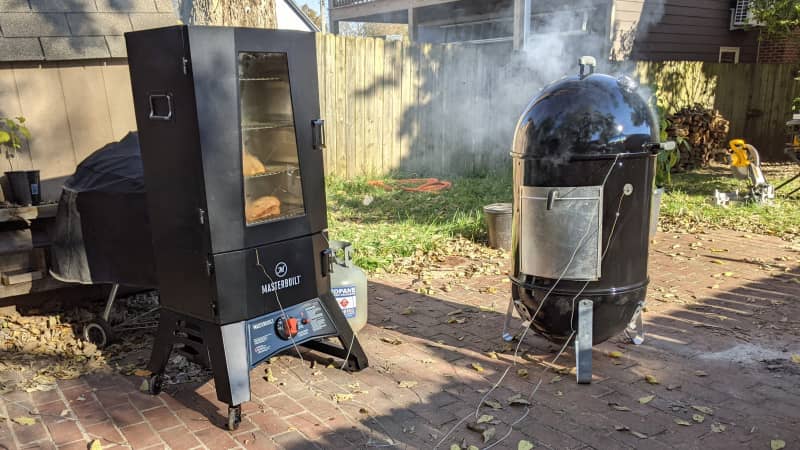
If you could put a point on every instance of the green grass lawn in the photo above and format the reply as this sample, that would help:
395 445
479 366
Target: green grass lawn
387 226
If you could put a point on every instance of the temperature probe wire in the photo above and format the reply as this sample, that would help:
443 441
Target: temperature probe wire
572 327
533 317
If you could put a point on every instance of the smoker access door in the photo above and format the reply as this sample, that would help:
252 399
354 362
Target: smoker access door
562 228
263 169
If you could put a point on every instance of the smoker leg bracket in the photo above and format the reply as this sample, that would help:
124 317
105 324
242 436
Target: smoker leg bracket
635 329
583 342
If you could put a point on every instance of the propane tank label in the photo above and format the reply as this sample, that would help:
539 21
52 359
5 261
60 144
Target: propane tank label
346 297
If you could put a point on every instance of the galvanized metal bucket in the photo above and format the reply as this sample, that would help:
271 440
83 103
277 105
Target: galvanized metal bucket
498 218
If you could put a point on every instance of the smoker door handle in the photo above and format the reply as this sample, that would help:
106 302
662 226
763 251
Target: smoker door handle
318 134
160 116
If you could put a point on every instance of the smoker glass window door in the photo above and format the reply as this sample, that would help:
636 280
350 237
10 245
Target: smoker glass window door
272 184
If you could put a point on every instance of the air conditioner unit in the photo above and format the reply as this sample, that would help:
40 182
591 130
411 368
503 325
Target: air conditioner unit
742 16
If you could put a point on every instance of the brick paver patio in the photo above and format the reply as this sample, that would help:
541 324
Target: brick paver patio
723 320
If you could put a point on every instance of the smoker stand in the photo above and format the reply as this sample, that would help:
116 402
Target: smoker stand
232 350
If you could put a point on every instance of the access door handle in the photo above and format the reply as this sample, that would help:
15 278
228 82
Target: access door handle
318 134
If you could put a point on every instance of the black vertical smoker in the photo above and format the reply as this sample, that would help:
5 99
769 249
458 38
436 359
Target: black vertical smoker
584 163
228 122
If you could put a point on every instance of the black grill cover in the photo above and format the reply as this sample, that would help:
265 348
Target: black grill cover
102 232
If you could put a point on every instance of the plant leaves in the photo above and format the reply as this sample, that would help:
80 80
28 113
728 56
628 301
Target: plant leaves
703 409
24 420
682 422
777 444
4 137
455 447
647 399
524 445
651 379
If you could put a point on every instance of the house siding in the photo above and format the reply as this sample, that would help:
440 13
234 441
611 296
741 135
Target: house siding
688 30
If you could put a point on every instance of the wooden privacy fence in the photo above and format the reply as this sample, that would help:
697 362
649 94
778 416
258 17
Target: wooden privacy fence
393 106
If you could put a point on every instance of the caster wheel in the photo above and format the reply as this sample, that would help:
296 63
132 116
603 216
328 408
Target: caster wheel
234 417
98 333
154 384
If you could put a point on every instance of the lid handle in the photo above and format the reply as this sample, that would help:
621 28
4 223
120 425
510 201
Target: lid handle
587 61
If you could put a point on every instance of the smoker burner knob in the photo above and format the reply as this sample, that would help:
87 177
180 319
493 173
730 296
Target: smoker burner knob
286 328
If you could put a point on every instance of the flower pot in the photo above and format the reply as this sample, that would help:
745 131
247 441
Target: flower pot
24 187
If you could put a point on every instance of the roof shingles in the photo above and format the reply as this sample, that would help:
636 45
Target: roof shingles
35 30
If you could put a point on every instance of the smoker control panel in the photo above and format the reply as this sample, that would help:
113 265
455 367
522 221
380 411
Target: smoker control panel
274 332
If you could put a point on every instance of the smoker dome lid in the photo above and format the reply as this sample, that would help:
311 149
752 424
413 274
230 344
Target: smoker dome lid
589 116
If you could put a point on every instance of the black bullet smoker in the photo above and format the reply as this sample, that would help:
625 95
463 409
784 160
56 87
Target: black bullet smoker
584 162
228 122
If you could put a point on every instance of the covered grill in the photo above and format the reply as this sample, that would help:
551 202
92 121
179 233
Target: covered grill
584 162
231 146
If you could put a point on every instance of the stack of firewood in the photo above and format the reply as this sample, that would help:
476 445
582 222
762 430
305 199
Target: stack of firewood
705 132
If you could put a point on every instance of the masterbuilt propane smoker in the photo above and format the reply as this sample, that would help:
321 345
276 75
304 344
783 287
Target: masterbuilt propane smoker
228 121
584 161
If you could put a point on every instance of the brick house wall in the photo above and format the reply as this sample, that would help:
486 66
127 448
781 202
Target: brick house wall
784 50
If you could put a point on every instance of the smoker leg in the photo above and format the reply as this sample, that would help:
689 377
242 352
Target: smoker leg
635 329
162 345
227 351
351 347
583 342
507 336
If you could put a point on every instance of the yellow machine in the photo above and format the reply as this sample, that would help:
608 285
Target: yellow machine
792 149
745 163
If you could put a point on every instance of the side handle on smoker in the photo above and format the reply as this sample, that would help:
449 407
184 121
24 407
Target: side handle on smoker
318 134
155 99
327 257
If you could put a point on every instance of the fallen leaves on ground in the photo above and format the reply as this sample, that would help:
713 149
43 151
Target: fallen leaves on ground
518 400
478 367
651 379
391 340
615 354
524 445
24 420
717 427
485 418
682 422
647 399
407 384
522 373
703 409
494 404
777 444
699 418
95 445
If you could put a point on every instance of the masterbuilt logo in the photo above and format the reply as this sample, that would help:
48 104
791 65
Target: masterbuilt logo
281 269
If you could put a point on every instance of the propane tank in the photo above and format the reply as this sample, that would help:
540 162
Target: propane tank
349 285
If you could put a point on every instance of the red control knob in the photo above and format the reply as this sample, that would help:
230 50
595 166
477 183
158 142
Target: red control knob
286 328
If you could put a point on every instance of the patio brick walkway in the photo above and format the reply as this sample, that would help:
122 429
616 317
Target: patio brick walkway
723 320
